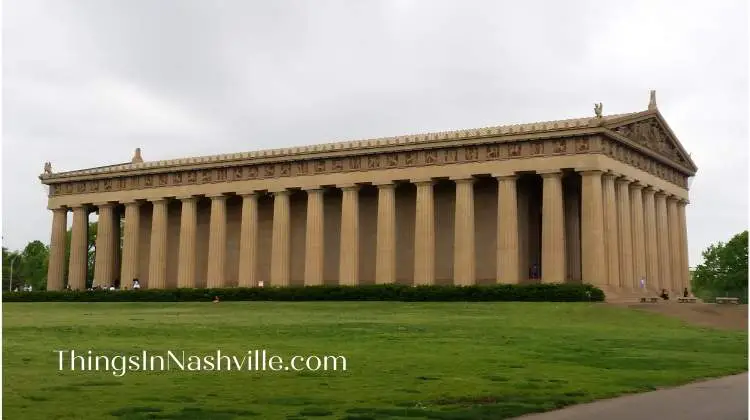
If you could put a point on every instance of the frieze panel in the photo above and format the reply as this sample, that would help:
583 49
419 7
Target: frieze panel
450 155
373 162
492 152
430 157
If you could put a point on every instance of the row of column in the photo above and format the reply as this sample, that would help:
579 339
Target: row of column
643 234
628 232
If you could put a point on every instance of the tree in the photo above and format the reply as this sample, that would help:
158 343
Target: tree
33 269
11 258
724 269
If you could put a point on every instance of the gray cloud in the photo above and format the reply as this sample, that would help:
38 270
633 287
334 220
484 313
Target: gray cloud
87 82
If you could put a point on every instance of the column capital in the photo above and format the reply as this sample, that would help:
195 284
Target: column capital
422 181
158 200
683 201
671 197
505 177
384 184
463 179
610 174
217 197
188 198
550 173
649 189
280 193
133 202
660 194
625 180
348 187
312 188
589 171
60 209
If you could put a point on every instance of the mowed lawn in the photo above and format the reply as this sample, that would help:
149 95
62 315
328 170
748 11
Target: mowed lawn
404 360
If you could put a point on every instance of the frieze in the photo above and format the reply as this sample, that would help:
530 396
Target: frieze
444 156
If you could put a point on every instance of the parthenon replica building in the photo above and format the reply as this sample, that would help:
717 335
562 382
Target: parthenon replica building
598 200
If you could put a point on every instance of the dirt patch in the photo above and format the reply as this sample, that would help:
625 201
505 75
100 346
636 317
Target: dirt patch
730 317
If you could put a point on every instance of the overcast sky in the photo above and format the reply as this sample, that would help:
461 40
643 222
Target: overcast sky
86 82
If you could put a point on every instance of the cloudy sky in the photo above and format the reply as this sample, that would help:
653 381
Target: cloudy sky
86 82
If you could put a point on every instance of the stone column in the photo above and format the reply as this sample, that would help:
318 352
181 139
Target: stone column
56 265
662 238
187 248
217 243
249 241
79 246
130 244
464 259
104 262
553 229
652 250
508 262
157 262
349 250
573 235
314 237
385 258
639 234
280 240
592 229
424 234
625 234
116 244
675 248
611 240
684 259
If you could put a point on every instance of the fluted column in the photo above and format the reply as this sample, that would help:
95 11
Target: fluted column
675 248
385 269
314 231
424 234
217 242
79 246
652 249
638 229
625 234
130 244
157 262
592 229
280 240
464 260
611 240
508 263
104 262
663 235
553 229
349 250
116 239
249 241
187 248
56 265
684 259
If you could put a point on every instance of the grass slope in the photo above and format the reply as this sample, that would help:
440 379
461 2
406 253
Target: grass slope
405 360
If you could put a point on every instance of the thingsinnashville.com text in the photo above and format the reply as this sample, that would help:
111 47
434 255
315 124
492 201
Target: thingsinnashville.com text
146 361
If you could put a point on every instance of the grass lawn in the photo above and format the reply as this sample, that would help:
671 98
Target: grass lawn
404 360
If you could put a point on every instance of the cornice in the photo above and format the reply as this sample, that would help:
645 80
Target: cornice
503 133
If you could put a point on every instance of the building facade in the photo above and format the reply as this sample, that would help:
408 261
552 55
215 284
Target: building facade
598 200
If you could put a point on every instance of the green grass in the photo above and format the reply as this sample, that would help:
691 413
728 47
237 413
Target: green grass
404 360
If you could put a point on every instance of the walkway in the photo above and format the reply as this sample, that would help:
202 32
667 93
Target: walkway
719 399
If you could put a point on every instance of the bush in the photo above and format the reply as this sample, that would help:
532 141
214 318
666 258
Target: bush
385 292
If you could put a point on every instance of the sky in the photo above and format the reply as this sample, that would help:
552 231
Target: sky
86 82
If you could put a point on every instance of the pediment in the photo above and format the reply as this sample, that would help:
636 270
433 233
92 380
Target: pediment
652 133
